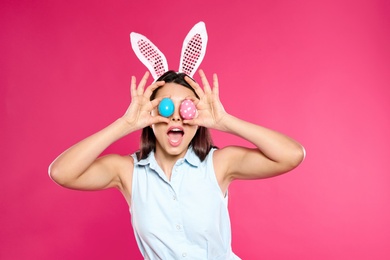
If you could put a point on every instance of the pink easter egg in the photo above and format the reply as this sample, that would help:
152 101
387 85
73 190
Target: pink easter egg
187 109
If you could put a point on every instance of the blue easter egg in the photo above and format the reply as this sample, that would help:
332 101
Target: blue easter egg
166 107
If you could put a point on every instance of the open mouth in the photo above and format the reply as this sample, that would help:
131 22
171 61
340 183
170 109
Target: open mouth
175 136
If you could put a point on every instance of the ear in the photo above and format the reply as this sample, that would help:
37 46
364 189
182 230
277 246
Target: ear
149 54
194 49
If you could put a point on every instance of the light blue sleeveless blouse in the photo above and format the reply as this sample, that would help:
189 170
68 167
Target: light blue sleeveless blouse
184 218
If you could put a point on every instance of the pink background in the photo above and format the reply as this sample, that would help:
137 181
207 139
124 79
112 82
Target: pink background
315 70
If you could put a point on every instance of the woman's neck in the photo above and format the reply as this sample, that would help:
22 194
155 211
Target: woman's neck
166 161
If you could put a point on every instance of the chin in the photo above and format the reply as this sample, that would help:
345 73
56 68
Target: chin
178 150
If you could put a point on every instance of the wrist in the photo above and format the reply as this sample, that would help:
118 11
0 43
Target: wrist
125 127
225 122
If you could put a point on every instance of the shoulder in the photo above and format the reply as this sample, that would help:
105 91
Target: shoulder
124 165
228 154
223 158
119 162
227 159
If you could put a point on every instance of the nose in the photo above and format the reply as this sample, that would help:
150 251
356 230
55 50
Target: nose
176 116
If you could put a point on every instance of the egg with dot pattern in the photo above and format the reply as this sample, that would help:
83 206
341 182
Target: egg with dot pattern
187 109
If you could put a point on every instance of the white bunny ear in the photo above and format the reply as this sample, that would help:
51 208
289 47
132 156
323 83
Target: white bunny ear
149 54
194 49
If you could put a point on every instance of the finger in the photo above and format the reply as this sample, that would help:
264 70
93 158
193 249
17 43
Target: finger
194 100
155 102
189 122
215 84
205 82
198 90
133 87
192 122
160 119
142 83
149 90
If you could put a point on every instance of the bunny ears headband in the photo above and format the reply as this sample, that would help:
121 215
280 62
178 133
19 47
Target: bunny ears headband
192 53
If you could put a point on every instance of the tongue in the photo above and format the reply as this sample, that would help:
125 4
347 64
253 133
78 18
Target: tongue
175 136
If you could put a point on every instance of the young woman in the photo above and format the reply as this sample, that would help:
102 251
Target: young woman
176 184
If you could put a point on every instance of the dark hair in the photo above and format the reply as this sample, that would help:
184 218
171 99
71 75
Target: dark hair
201 142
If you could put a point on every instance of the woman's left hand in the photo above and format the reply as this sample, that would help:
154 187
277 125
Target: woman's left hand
210 109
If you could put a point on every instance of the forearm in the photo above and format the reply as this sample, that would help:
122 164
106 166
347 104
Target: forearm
274 145
76 160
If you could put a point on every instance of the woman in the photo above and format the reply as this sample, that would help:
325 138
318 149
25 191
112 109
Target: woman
176 185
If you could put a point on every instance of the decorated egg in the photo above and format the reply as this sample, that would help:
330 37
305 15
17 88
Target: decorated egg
187 109
166 107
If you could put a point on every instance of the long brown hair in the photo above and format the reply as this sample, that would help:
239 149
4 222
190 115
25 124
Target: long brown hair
202 141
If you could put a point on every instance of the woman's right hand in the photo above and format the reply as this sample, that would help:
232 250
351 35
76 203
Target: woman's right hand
139 114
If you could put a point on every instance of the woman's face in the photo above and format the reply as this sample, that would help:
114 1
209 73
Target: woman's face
174 138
